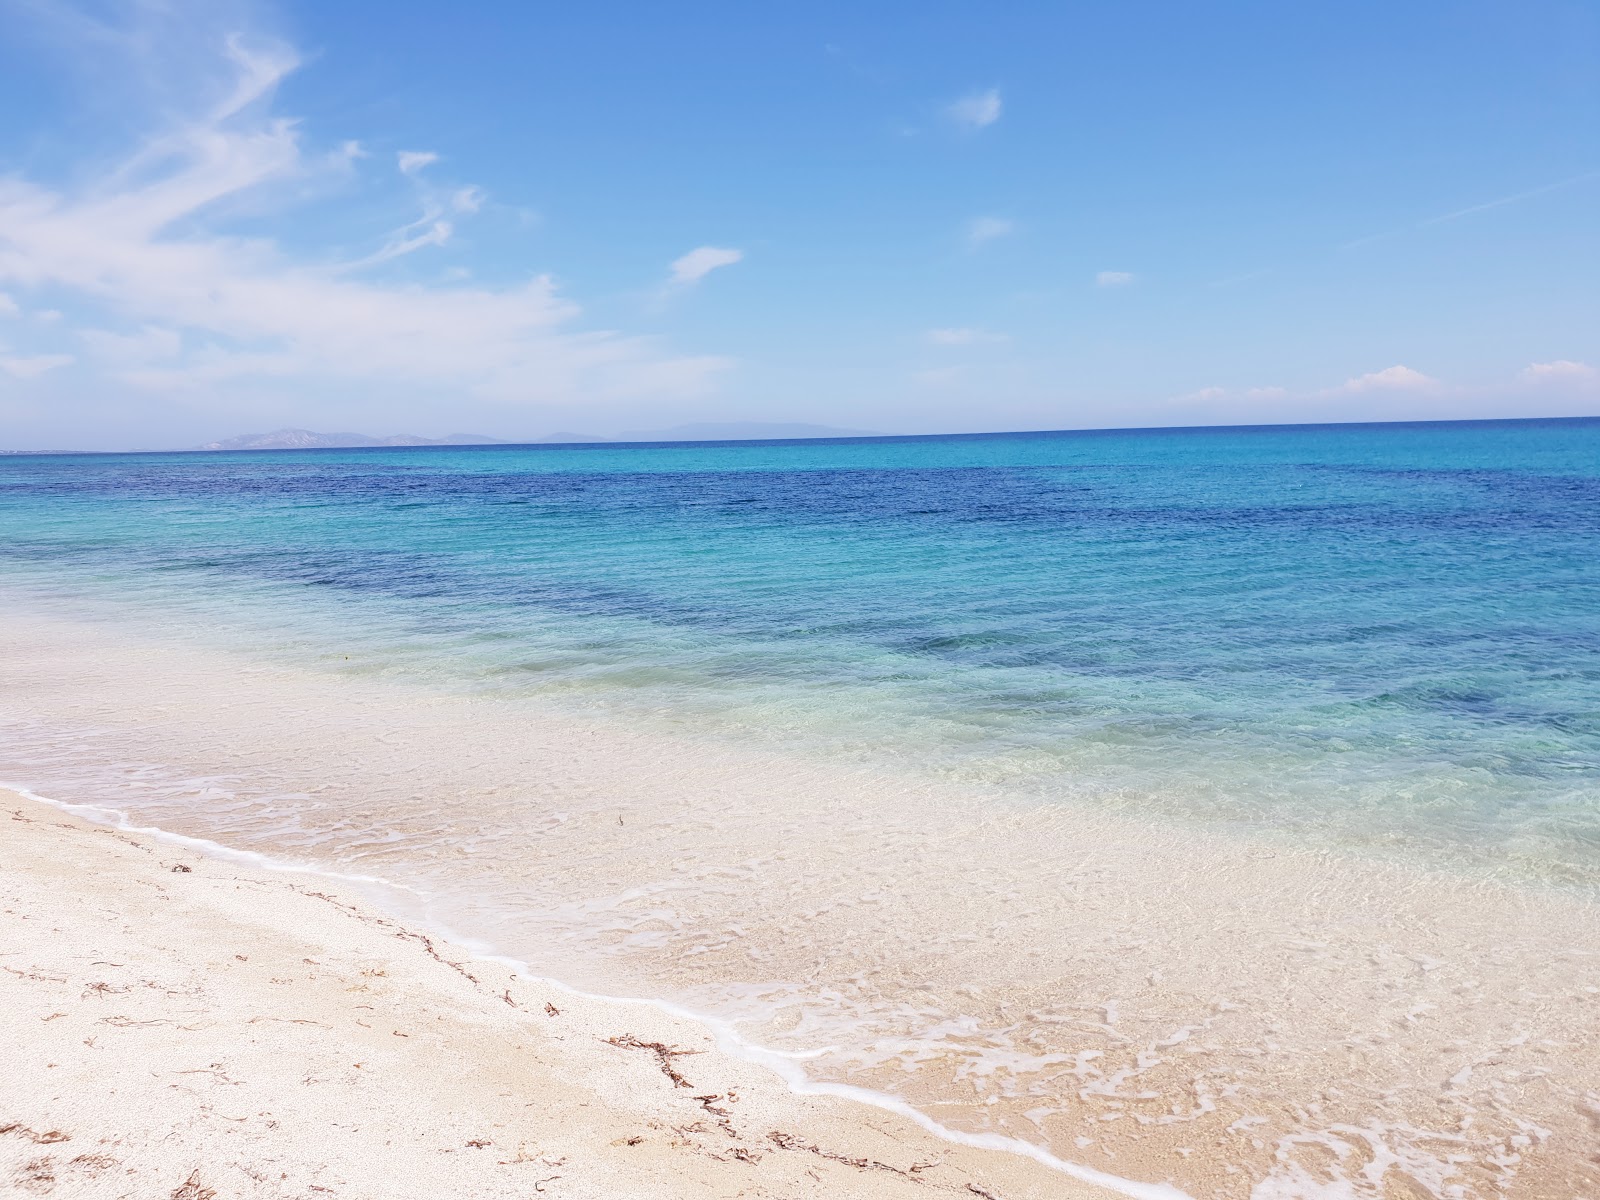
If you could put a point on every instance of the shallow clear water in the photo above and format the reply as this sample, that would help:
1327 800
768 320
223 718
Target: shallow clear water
1215 806
1382 634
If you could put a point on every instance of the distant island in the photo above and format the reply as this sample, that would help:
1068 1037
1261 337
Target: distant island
306 439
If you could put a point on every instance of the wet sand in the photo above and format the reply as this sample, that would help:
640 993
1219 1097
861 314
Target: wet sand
188 1027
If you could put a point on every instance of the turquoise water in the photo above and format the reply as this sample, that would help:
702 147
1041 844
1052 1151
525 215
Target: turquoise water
1382 636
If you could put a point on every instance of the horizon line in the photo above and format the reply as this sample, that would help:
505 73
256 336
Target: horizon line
850 439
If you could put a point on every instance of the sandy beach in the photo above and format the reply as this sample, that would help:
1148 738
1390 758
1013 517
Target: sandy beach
188 1027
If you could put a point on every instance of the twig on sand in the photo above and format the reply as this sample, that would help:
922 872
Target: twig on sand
787 1141
192 1189
399 932
427 944
664 1055
49 1137
709 1103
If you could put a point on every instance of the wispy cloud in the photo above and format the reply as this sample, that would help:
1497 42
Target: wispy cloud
434 225
413 162
982 230
143 248
963 337
30 366
1242 277
429 230
1200 395
1505 200
976 110
9 307
1113 279
694 266
1472 209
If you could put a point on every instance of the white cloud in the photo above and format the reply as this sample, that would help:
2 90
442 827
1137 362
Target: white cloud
347 155
9 307
31 366
963 337
431 228
1563 370
1266 393
1113 279
1391 379
698 263
144 244
976 109
1200 395
985 229
426 231
413 161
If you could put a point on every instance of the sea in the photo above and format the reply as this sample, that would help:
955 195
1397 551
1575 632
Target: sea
1210 807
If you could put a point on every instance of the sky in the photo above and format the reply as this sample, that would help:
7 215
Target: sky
513 218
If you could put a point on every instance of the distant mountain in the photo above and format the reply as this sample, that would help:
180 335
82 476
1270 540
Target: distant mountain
708 431
305 439
727 431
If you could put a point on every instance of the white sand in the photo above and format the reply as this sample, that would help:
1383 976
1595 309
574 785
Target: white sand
179 1026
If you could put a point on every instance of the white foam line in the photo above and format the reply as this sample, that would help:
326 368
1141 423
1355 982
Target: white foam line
728 1039
119 820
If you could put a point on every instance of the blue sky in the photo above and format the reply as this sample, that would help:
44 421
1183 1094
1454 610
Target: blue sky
514 218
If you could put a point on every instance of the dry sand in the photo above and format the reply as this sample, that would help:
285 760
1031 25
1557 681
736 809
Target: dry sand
182 1026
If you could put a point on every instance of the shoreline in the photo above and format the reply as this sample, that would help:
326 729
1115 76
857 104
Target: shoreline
1144 1000
741 1127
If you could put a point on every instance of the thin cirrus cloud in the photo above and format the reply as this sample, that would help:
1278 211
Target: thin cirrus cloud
413 162
983 230
1473 209
164 297
976 110
963 337
689 269
435 224
1108 279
